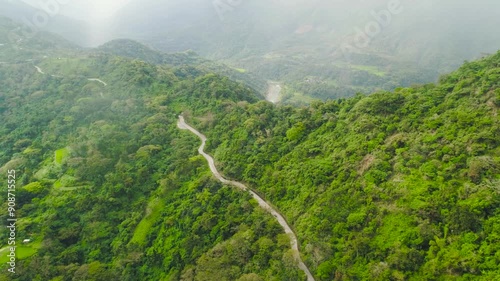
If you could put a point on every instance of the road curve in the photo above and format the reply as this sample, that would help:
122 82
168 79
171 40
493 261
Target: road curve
39 70
98 80
262 203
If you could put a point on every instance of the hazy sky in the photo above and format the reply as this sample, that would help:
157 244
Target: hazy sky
85 9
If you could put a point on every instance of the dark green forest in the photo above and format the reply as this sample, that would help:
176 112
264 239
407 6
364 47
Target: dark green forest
401 185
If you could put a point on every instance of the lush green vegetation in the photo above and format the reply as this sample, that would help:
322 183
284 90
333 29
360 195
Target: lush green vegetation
135 50
110 189
401 185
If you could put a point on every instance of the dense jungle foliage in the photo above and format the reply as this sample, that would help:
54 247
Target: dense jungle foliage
401 185
110 189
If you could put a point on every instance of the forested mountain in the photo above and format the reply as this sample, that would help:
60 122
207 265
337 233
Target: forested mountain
324 49
401 185
19 45
319 49
110 189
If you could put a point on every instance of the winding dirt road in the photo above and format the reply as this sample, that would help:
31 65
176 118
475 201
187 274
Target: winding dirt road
262 203
39 70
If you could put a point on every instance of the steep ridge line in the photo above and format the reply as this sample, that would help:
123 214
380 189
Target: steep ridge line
181 124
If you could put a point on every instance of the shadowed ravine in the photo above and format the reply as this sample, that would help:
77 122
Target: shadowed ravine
262 203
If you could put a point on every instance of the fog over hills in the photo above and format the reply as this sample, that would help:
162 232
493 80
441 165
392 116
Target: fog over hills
35 18
342 46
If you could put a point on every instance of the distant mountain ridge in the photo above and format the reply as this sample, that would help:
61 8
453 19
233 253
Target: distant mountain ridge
36 18
302 44
133 49
289 40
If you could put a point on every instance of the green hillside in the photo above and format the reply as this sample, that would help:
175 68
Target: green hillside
110 189
401 185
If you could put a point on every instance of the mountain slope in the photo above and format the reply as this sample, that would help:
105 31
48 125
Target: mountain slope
135 50
391 186
109 189
37 19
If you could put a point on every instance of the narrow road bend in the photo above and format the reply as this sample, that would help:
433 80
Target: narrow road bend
181 124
